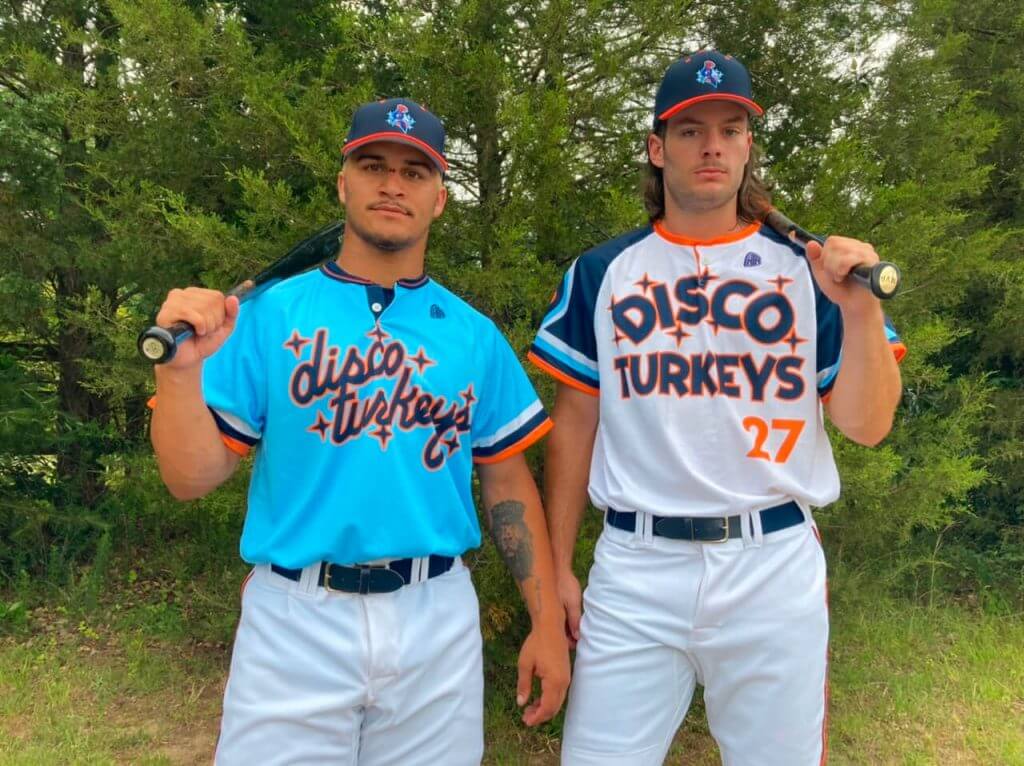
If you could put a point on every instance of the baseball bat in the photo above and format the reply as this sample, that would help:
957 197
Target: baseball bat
159 344
882 279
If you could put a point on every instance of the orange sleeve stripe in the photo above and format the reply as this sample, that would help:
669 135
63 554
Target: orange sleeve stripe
536 434
898 350
561 377
239 448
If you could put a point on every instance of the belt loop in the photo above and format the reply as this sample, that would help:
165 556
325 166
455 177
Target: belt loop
755 528
309 580
645 529
747 529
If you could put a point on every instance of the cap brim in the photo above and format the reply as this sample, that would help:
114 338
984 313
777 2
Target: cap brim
753 108
398 138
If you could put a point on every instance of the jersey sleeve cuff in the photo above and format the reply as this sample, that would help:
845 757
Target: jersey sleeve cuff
235 438
561 372
533 424
828 379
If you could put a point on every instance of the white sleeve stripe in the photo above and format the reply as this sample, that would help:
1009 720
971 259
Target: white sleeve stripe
564 348
563 305
237 423
514 424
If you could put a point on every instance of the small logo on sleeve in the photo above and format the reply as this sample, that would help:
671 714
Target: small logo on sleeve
751 259
436 312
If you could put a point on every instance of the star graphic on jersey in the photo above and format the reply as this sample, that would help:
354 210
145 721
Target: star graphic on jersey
378 334
646 283
421 360
452 444
706 276
780 282
321 425
296 343
678 333
794 340
383 433
467 395
714 325
611 306
619 337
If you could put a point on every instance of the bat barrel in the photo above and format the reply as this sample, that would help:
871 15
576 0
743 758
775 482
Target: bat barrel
159 344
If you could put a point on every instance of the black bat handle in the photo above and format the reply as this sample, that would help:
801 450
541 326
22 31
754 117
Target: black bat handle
882 279
159 344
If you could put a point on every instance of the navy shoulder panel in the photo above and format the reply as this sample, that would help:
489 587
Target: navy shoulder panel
769 233
593 264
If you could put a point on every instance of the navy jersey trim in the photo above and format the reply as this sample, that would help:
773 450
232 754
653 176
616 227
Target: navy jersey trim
565 342
228 430
527 428
334 271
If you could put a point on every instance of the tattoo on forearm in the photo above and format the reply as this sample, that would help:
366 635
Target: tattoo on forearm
512 537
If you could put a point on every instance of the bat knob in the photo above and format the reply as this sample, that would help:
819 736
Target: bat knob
886 280
157 345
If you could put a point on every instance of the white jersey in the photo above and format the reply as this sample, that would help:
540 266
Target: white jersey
711 360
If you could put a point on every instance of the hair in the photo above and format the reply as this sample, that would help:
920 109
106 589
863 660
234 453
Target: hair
753 199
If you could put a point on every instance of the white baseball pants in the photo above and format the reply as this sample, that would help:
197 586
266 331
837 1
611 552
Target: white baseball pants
747 619
346 679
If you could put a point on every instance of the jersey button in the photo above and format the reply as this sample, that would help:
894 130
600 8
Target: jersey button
376 307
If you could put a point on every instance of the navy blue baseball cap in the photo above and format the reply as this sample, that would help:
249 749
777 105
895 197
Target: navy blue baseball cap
399 120
703 76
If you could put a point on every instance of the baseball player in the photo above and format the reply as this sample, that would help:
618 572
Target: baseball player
368 392
694 357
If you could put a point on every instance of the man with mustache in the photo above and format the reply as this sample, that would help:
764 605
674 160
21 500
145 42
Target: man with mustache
368 393
693 357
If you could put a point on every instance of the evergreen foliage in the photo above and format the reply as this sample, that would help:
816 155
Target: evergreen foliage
152 144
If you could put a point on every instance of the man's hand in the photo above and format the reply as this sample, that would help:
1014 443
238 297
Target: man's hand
209 312
832 263
571 596
545 655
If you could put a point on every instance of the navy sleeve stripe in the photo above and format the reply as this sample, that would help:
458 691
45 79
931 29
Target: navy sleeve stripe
524 430
560 366
228 430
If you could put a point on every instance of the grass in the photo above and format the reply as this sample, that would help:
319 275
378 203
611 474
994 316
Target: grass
911 685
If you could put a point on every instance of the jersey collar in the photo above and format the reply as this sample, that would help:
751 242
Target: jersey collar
334 271
678 239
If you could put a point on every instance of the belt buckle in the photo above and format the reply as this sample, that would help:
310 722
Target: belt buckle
724 538
325 580
362 585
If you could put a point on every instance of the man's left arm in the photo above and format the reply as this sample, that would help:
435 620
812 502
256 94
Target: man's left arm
516 521
867 387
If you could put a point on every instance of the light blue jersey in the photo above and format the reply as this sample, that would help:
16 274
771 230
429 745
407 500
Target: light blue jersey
367 407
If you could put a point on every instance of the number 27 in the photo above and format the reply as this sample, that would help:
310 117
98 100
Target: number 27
793 428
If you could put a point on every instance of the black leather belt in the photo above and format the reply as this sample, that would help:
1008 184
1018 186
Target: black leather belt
711 529
368 578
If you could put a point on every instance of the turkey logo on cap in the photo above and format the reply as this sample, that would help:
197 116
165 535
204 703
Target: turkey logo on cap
400 118
710 74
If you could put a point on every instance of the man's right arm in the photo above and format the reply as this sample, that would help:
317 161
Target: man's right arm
566 474
193 458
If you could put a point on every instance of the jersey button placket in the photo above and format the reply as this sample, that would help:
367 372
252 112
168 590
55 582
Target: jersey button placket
378 299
